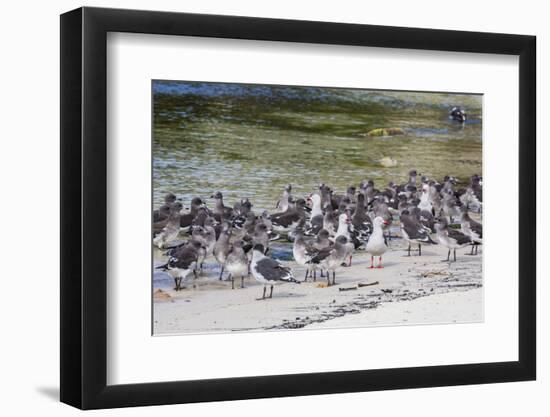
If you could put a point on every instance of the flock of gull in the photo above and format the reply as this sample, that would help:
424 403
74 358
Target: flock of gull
326 229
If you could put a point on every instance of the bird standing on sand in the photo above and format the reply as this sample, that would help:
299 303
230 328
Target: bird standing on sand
322 241
268 271
414 232
332 257
237 263
376 245
186 261
222 247
343 230
471 228
301 251
206 235
450 238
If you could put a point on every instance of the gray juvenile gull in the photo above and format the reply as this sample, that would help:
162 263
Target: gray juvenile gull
240 212
414 232
237 263
221 212
261 236
450 204
367 189
222 247
330 220
346 205
471 228
264 218
243 207
381 209
247 227
348 198
450 238
283 203
206 235
326 196
322 241
350 193
376 245
402 203
186 262
164 210
268 271
426 218
344 222
186 220
289 220
316 220
170 232
473 195
332 257
449 183
302 250
434 197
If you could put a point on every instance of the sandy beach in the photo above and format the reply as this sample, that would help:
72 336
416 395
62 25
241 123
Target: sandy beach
408 290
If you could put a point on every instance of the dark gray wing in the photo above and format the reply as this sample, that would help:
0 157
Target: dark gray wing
186 220
416 231
286 219
185 258
320 255
460 237
315 224
272 270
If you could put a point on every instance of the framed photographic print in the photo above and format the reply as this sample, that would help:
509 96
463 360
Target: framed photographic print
257 208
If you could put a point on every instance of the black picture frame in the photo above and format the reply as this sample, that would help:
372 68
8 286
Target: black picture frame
84 207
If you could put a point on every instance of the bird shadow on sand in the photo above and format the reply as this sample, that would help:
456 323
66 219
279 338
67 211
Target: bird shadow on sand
49 392
284 294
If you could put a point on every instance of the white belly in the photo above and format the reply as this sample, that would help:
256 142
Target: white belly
237 269
376 247
181 273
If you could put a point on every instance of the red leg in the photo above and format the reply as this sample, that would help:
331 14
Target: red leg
380 262
350 260
371 262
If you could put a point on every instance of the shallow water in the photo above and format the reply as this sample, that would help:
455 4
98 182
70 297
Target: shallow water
251 140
